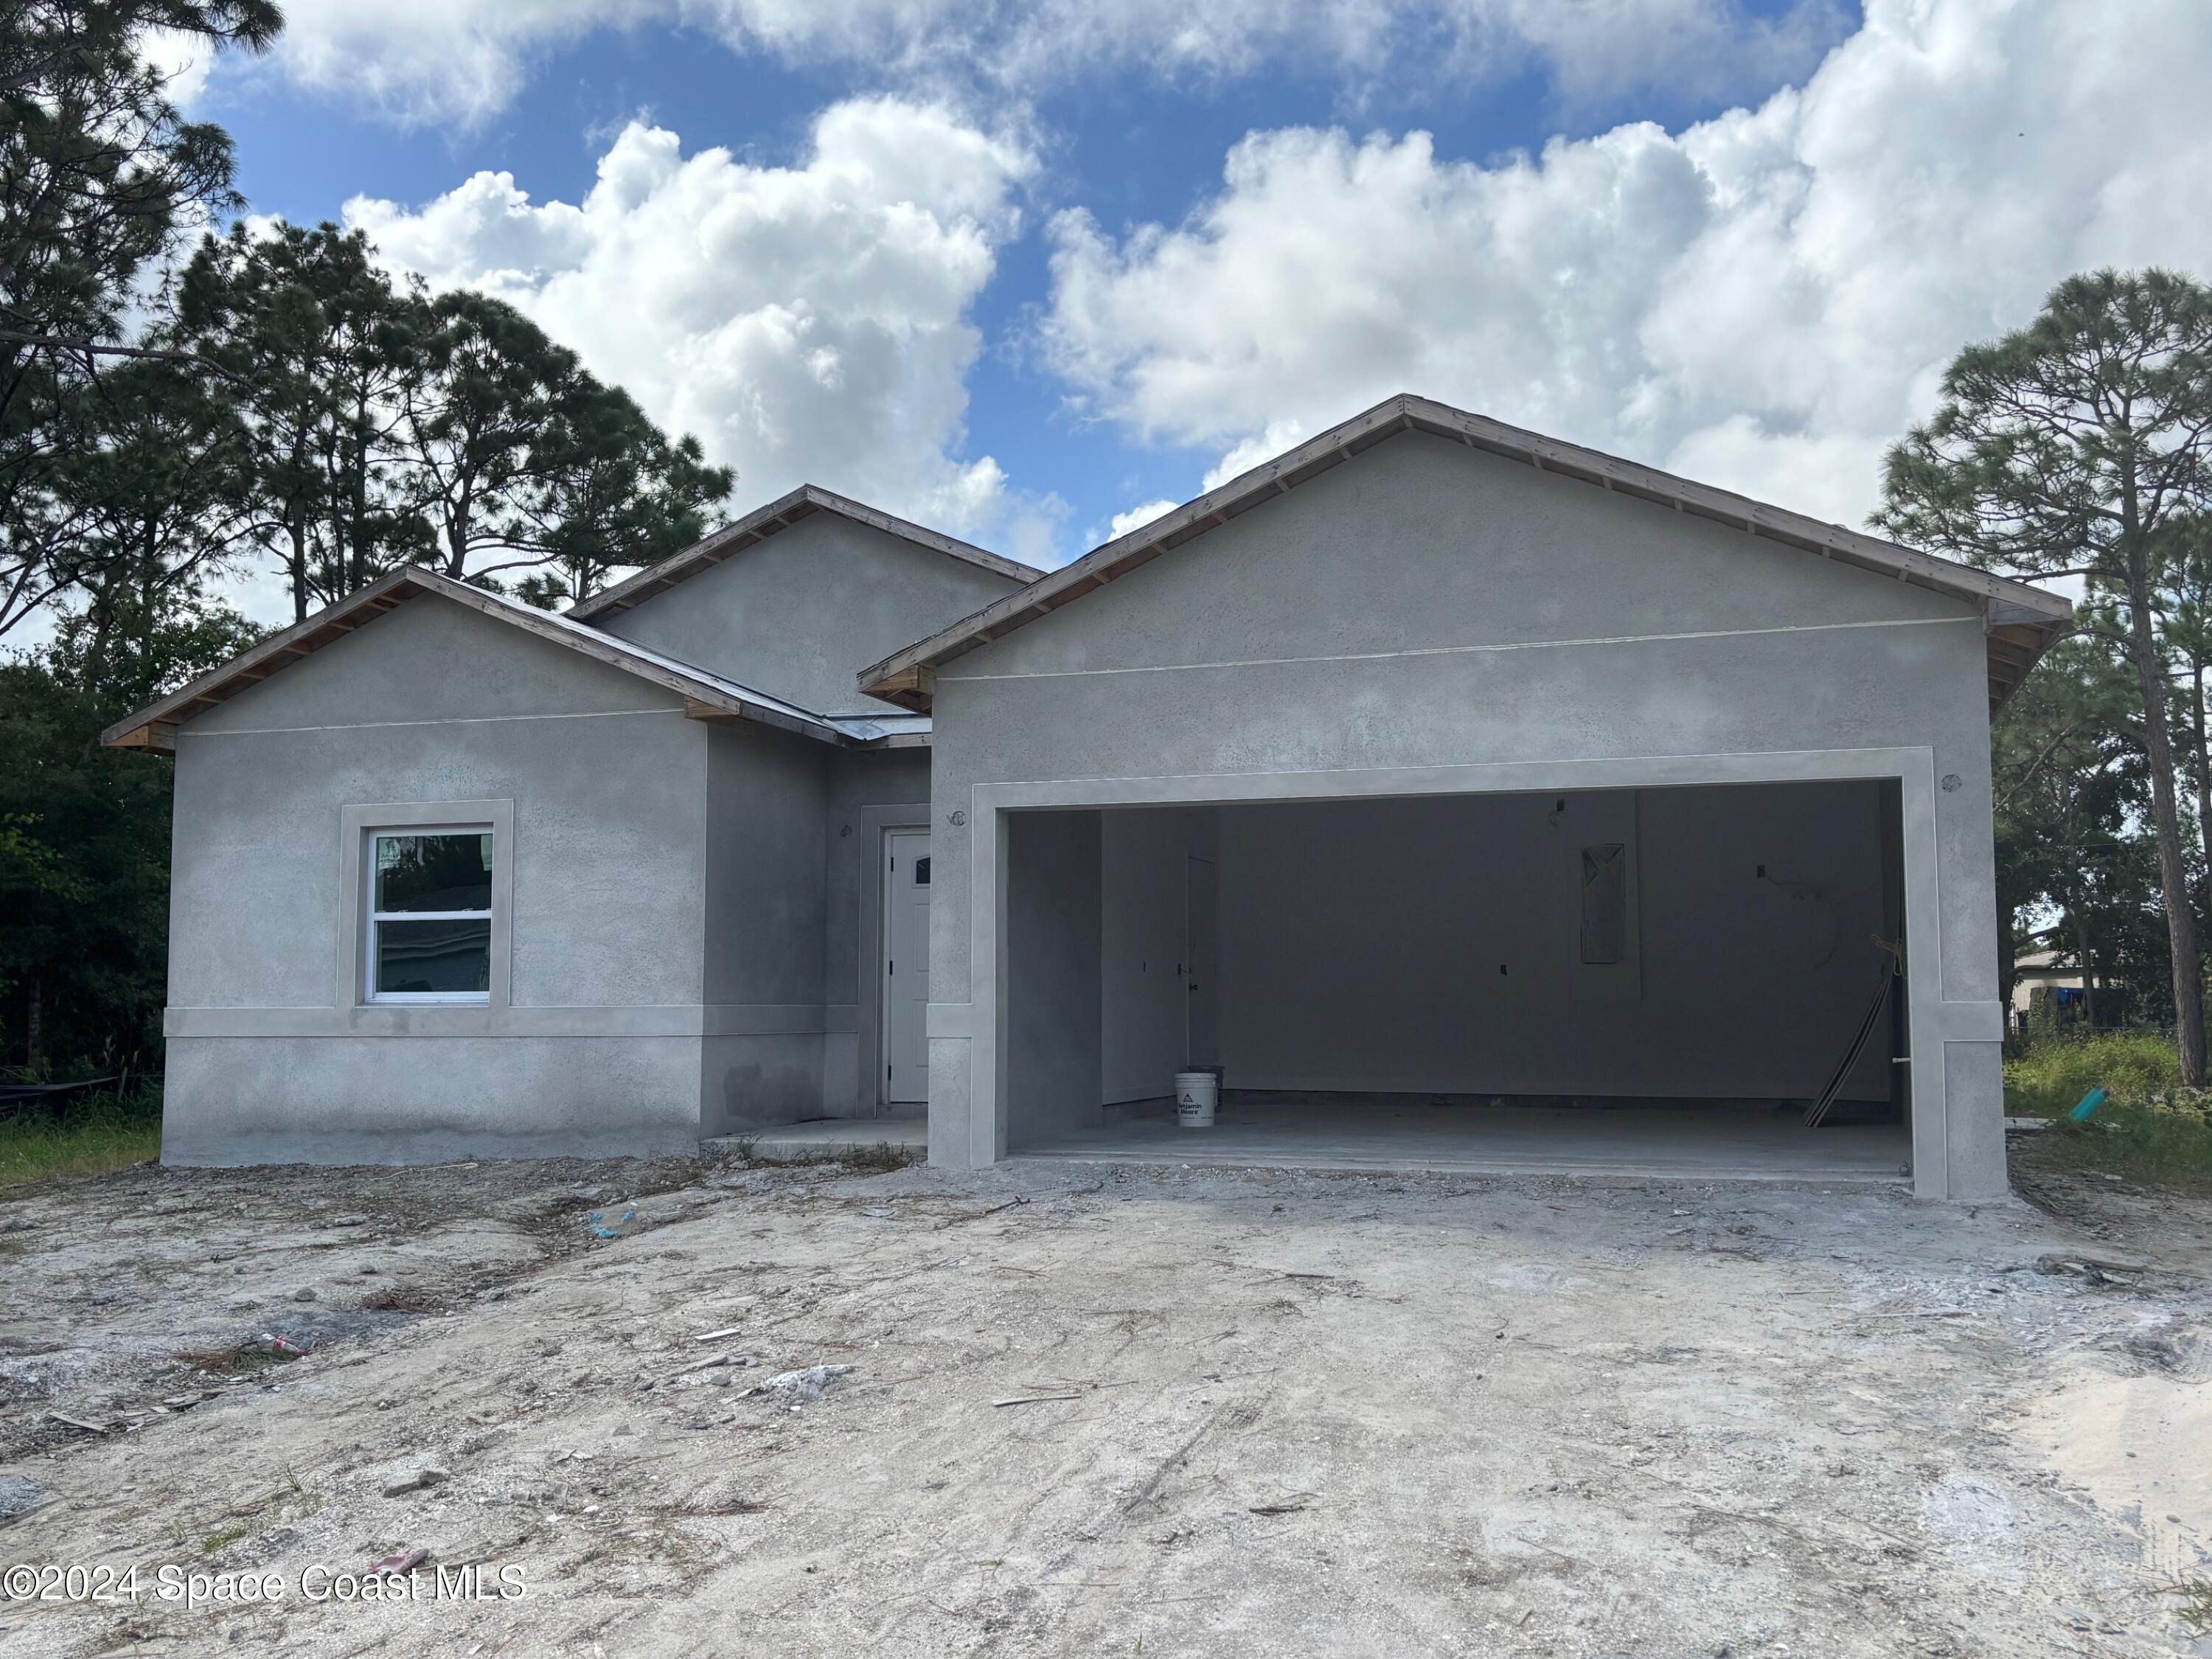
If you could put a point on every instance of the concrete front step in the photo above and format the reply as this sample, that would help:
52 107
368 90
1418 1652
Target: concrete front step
888 1139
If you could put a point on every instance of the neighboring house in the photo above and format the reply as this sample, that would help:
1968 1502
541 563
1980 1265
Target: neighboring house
2038 973
1435 758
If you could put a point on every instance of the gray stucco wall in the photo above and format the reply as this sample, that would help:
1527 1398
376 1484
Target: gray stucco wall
1427 606
791 833
798 615
271 1058
767 794
1053 966
686 907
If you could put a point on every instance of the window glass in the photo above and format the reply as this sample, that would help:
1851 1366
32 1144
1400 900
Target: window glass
448 956
922 872
439 871
429 915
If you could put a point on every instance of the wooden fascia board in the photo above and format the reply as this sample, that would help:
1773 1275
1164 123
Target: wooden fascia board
154 737
739 708
302 639
299 640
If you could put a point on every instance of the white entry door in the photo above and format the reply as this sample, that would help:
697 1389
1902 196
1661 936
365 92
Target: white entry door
906 965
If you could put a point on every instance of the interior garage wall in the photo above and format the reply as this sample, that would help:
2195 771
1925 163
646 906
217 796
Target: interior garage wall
1433 944
1052 952
1143 945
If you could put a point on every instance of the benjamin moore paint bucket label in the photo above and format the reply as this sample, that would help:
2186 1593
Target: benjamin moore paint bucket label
1195 1095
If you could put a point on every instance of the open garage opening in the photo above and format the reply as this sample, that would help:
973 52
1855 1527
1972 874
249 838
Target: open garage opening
1657 980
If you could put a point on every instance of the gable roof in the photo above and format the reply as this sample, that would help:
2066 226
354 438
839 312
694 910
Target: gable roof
706 696
760 524
2020 621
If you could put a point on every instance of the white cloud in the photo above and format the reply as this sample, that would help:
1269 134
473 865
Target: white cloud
465 59
1764 300
808 323
437 59
1137 517
184 61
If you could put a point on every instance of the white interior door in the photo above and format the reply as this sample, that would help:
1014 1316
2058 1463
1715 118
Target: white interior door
1199 989
906 965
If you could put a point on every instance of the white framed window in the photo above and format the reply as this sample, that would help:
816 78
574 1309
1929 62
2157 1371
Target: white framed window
427 906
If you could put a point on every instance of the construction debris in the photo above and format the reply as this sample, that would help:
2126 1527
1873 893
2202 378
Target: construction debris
807 1385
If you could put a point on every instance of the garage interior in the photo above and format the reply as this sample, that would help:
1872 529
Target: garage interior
1647 980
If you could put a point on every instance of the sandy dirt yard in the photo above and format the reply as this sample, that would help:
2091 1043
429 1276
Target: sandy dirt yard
1080 1410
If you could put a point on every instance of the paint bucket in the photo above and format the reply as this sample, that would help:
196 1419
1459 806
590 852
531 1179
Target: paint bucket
1195 1095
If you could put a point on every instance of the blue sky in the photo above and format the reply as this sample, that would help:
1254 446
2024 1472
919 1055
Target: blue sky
1649 225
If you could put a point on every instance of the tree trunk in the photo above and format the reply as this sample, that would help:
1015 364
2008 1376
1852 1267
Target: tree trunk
2203 781
2088 964
2166 821
457 533
298 530
357 569
34 1033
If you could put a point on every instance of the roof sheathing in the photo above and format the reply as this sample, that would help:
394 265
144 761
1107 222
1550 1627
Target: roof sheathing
759 525
706 696
2020 621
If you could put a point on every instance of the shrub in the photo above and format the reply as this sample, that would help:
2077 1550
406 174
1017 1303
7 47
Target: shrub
2135 1068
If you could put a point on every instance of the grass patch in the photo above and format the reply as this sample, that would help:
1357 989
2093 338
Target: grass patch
2151 1131
246 1359
2135 1068
395 1299
883 1156
290 1501
2196 1595
91 1136
2153 1148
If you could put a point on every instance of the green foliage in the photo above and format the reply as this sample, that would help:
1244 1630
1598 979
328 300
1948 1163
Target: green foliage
386 427
2196 1609
281 395
2151 1131
315 346
521 459
108 1131
2063 446
2162 1149
98 174
2082 446
84 858
2048 1078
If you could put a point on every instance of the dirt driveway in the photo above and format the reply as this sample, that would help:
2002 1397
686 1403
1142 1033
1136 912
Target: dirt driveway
1087 1411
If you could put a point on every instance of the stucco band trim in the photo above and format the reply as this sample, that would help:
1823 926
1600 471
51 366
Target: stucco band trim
735 1020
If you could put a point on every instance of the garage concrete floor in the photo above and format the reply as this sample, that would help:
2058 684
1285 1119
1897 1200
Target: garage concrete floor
1382 1133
